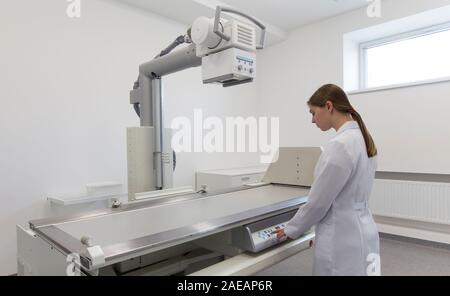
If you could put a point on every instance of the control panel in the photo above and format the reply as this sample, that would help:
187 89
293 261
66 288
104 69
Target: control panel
267 237
245 64
261 235
230 65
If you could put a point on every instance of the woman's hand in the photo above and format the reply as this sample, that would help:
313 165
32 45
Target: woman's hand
280 233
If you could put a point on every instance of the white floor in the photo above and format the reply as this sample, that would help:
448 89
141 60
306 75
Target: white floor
399 257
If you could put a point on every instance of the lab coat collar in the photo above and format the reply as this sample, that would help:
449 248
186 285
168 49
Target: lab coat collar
348 125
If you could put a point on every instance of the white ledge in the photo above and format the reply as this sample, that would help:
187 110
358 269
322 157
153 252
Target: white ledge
396 86
68 201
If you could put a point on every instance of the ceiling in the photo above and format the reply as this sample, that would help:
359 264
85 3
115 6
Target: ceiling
279 16
291 14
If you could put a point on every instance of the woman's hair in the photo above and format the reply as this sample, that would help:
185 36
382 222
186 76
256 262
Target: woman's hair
338 97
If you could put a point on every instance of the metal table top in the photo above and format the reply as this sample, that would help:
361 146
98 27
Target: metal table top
146 226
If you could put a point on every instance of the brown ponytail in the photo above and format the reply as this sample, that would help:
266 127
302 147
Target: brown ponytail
338 97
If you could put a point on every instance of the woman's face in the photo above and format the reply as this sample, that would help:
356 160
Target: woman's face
321 116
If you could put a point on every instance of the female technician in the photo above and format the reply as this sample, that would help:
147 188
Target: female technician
347 241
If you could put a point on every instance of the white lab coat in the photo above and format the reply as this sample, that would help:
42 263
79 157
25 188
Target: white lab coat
338 205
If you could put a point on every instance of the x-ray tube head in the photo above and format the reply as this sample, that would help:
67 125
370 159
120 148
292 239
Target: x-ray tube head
202 33
227 48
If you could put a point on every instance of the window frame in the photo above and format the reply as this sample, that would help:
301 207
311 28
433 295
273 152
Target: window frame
364 46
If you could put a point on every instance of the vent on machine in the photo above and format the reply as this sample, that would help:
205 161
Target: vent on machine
245 35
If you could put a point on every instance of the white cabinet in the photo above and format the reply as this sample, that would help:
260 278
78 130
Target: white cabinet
228 178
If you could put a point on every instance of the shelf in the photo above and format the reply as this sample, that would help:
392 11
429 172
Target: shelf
68 201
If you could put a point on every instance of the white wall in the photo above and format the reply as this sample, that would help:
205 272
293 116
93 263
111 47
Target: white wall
65 103
410 125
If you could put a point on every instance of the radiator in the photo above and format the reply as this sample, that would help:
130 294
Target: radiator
419 201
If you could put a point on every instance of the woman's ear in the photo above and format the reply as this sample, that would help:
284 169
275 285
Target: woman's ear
329 105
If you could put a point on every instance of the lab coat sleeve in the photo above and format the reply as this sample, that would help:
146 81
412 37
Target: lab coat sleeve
333 173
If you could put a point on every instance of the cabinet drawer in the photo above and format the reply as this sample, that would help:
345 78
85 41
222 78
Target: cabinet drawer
245 179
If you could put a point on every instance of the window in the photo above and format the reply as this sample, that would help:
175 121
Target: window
407 58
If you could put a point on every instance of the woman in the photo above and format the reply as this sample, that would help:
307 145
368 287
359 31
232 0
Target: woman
347 241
